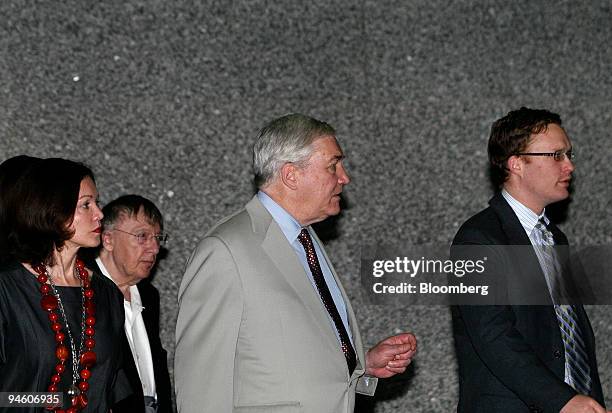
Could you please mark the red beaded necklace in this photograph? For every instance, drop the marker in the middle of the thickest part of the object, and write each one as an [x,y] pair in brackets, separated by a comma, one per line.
[51,302]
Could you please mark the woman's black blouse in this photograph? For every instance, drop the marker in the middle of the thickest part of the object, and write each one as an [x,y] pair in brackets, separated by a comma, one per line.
[27,343]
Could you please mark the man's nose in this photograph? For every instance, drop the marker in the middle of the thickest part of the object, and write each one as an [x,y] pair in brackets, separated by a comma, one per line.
[152,245]
[568,165]
[343,176]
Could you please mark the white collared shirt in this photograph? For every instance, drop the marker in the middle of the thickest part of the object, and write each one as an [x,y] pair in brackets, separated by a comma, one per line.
[137,337]
[529,220]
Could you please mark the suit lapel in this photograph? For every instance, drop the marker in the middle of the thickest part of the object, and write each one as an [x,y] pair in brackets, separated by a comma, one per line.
[149,315]
[282,254]
[547,315]
[558,236]
[526,260]
[510,223]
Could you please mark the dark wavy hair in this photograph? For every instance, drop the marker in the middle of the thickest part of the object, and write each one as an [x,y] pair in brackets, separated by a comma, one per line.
[42,206]
[11,171]
[510,135]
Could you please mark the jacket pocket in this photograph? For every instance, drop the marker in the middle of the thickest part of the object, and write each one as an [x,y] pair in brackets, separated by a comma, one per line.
[280,407]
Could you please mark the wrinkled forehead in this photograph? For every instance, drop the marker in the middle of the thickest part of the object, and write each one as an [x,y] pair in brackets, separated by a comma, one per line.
[327,146]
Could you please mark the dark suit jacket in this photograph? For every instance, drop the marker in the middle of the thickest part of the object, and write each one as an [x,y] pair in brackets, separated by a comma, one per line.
[511,357]
[135,403]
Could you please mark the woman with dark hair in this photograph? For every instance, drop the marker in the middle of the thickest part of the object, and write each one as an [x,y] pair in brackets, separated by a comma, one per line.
[59,323]
[10,172]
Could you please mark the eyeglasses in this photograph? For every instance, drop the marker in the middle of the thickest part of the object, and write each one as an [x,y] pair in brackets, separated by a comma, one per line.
[558,156]
[144,237]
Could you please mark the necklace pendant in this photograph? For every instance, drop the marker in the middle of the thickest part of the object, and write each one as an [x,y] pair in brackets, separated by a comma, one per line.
[73,391]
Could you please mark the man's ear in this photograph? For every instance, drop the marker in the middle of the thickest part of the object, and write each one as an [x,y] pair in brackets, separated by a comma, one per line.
[289,175]
[515,165]
[107,240]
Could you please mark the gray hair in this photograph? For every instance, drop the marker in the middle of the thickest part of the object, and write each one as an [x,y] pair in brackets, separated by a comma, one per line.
[286,139]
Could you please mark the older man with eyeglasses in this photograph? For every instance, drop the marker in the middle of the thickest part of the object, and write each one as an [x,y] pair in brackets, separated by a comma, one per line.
[131,239]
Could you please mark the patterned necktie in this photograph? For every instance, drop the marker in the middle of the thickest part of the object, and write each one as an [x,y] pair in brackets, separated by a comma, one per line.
[328,301]
[576,358]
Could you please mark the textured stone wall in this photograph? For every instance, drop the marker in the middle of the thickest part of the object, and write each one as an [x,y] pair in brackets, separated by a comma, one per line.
[164,98]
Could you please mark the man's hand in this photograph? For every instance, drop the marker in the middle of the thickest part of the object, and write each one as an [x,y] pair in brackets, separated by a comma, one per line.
[582,404]
[391,356]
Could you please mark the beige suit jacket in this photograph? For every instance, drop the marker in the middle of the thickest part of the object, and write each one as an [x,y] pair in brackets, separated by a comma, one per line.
[252,334]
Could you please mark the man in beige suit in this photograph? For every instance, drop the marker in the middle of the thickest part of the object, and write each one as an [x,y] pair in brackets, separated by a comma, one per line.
[264,324]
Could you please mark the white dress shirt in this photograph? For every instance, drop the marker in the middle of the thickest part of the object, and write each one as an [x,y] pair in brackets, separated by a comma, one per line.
[137,337]
[529,220]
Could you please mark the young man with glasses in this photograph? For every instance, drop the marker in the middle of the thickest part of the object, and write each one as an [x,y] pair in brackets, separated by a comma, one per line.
[131,238]
[526,358]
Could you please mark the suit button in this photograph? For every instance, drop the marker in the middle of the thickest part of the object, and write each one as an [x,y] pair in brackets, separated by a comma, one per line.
[534,409]
[558,354]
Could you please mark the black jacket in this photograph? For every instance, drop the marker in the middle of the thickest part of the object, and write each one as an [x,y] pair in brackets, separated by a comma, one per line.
[150,314]
[511,357]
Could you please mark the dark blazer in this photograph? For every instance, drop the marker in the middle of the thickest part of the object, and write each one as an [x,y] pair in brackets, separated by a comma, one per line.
[511,357]
[135,403]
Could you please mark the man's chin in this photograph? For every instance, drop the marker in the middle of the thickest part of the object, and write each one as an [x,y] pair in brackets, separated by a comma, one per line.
[564,193]
[334,209]
[561,195]
[143,276]
[145,270]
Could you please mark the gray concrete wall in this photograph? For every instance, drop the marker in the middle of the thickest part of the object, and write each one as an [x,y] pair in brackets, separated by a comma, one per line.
[164,98]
